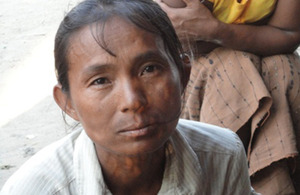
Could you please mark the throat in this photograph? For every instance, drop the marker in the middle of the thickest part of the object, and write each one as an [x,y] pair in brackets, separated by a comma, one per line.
[134,175]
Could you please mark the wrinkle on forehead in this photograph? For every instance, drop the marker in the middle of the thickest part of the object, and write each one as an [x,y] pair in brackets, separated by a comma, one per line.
[117,30]
[81,46]
[123,29]
[117,36]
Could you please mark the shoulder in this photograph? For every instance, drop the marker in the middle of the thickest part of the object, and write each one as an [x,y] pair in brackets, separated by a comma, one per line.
[46,172]
[209,138]
[221,156]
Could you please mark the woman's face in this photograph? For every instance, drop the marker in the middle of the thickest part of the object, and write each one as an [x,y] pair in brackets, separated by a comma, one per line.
[128,103]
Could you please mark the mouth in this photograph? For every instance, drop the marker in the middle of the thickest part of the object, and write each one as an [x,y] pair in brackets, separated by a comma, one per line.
[137,131]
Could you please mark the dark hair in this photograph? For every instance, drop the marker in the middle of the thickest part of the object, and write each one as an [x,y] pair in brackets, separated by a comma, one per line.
[145,14]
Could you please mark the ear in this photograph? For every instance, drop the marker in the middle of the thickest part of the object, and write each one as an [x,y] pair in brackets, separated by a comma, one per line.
[63,100]
[185,76]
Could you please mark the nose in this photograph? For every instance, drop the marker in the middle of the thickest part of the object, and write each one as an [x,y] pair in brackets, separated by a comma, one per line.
[132,97]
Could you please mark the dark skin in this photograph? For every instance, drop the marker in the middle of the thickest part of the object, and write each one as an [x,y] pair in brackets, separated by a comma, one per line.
[138,175]
[280,34]
[128,104]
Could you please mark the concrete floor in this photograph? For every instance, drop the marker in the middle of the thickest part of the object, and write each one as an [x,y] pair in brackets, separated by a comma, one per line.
[29,117]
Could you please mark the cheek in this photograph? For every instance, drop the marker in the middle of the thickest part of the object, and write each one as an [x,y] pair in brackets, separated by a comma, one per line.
[89,109]
[168,95]
[93,114]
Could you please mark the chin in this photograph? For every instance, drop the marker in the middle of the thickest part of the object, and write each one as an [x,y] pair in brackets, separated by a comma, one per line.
[138,149]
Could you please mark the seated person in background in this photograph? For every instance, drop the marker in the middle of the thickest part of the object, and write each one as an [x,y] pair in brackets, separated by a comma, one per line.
[245,77]
[121,72]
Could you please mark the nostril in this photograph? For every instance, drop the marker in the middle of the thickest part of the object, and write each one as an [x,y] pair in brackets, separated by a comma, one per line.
[132,101]
[132,97]
[133,106]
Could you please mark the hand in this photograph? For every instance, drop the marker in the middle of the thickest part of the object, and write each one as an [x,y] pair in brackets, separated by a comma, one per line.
[192,23]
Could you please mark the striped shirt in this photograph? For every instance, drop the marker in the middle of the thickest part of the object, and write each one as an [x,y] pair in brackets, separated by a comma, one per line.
[201,159]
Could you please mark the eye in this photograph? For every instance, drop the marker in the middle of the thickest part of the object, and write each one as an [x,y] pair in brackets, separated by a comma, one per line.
[151,69]
[100,81]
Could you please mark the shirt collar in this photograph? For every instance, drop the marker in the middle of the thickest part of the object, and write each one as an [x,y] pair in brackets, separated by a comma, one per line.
[182,175]
[88,173]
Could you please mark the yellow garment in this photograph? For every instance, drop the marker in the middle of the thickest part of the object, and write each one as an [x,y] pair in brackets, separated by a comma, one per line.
[247,11]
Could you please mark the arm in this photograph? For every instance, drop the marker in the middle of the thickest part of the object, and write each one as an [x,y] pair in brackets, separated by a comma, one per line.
[280,35]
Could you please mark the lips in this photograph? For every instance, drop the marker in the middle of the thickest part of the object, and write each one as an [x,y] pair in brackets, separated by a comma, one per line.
[137,130]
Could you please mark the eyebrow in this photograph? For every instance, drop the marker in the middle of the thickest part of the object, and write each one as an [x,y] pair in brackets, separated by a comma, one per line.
[98,68]
[152,54]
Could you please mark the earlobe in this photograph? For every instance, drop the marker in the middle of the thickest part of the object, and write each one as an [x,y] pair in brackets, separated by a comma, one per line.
[64,102]
[186,70]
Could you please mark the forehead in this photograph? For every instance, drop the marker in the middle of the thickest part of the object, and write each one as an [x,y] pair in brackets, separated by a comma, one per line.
[118,36]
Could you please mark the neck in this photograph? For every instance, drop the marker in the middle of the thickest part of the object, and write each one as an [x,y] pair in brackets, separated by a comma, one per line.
[141,174]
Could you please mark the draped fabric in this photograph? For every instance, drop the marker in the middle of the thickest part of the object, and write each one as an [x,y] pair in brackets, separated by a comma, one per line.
[228,88]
